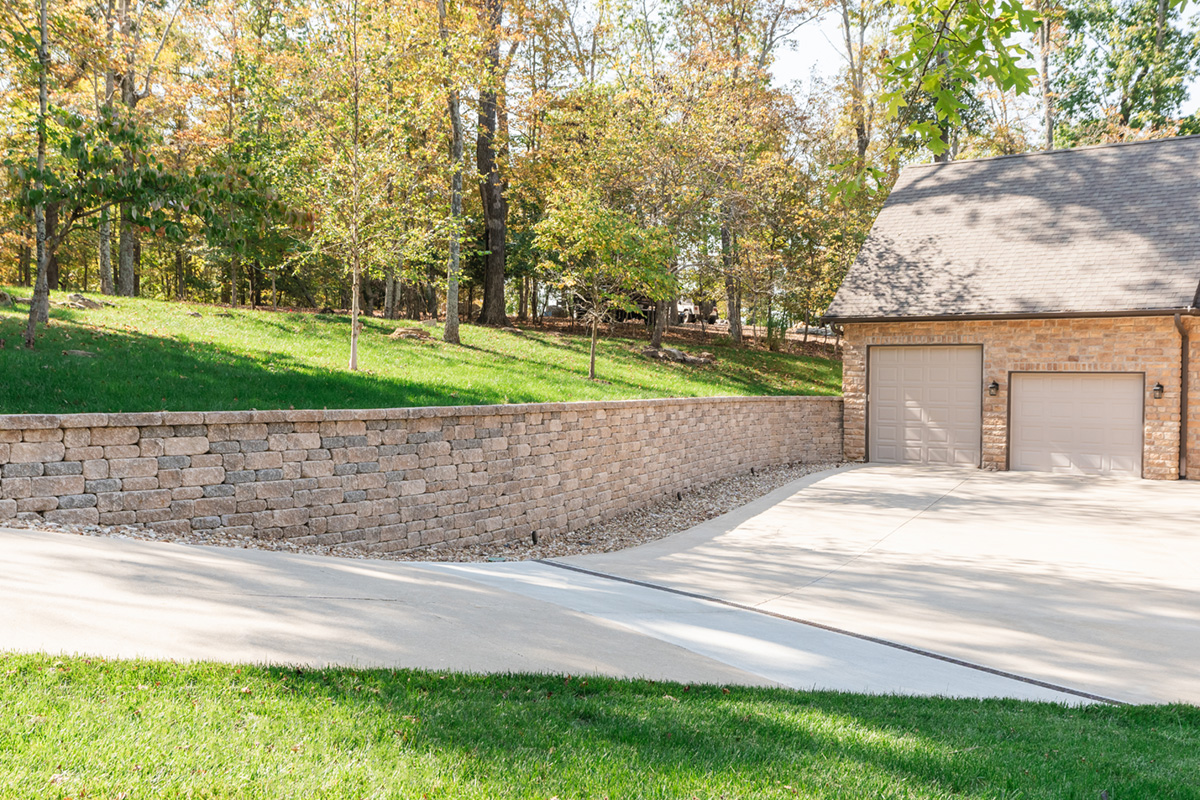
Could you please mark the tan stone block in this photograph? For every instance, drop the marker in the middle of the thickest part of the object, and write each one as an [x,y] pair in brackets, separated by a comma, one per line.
[316,469]
[245,432]
[351,427]
[267,459]
[28,452]
[208,460]
[83,453]
[433,449]
[132,467]
[15,488]
[43,435]
[73,516]
[270,489]
[95,469]
[145,500]
[202,476]
[216,506]
[114,436]
[290,516]
[122,451]
[26,504]
[5,450]
[141,484]
[185,445]
[150,448]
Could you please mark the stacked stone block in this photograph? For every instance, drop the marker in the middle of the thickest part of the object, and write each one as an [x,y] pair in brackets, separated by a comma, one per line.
[396,479]
[1150,345]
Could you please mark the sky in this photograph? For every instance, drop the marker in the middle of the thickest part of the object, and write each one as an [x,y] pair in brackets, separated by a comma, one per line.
[816,48]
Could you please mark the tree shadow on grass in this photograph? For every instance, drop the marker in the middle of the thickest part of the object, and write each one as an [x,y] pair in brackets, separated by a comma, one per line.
[551,734]
[133,371]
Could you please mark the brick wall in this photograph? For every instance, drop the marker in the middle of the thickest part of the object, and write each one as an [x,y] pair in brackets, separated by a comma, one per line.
[395,479]
[1125,344]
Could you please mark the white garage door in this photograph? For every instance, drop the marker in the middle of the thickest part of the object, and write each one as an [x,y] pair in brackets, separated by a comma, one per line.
[1077,424]
[924,405]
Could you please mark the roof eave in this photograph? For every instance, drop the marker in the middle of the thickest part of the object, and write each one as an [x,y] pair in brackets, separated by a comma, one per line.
[1141,312]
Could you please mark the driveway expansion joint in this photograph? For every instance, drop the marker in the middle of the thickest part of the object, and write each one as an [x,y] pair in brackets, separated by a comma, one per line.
[831,629]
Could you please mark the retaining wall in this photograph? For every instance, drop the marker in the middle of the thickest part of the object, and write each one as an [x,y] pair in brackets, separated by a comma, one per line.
[396,479]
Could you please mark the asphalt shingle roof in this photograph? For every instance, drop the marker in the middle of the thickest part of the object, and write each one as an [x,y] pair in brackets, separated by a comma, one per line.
[1098,229]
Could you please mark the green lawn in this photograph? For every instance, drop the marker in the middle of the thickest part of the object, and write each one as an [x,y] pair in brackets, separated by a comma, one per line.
[151,356]
[78,728]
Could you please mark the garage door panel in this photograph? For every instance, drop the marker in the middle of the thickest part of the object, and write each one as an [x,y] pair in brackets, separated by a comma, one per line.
[1078,424]
[929,409]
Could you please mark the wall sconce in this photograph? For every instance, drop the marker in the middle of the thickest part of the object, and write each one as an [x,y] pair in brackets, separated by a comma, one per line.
[993,389]
[1158,390]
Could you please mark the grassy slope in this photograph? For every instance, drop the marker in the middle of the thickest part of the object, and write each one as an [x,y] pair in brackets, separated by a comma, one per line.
[153,356]
[76,728]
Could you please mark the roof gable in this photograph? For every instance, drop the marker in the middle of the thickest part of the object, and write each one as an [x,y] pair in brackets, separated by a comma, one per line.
[1094,230]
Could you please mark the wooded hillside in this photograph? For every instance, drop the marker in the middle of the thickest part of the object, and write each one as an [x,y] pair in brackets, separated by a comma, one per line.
[485,159]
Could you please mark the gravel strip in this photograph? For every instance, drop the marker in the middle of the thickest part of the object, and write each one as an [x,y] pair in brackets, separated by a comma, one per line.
[627,530]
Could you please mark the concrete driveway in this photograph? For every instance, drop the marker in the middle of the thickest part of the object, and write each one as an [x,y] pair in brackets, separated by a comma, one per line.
[1087,583]
[881,579]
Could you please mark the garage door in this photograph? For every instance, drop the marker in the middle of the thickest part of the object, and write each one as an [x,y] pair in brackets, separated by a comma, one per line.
[924,405]
[1077,424]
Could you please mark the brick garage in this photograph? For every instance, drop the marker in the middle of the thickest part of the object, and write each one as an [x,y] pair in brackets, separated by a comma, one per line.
[397,479]
[1149,345]
[1067,279]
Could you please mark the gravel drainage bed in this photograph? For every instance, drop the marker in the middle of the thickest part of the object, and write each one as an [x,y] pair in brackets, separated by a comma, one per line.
[627,530]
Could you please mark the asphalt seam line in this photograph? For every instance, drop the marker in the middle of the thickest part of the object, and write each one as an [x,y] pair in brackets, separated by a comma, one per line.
[831,629]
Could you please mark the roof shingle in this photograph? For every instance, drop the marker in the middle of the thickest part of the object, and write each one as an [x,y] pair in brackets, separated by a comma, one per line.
[1094,230]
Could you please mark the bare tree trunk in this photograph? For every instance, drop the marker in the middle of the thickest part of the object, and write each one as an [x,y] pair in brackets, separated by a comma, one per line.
[106,270]
[356,272]
[491,187]
[733,295]
[389,292]
[661,309]
[24,265]
[1044,70]
[592,360]
[126,255]
[39,308]
[453,269]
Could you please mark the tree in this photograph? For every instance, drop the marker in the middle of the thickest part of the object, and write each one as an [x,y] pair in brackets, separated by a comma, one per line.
[604,256]
[453,269]
[489,149]
[1123,68]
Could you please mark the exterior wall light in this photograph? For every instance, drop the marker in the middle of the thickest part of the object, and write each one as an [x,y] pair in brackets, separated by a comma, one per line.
[1158,390]
[993,389]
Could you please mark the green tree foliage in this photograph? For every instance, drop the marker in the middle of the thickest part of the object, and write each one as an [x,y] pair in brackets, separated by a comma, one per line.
[1122,68]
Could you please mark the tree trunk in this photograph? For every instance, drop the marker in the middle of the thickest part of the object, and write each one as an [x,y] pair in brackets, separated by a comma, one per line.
[592,360]
[52,270]
[453,268]
[105,246]
[389,292]
[39,307]
[126,255]
[24,265]
[661,309]
[355,200]
[491,187]
[180,282]
[733,295]
[523,309]
[1044,70]
[233,279]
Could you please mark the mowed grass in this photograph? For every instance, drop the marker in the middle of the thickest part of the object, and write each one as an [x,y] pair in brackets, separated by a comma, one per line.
[151,355]
[74,727]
